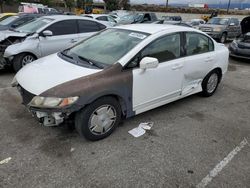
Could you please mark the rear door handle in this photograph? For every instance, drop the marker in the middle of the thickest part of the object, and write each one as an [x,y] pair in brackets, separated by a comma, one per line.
[177,66]
[73,40]
[209,59]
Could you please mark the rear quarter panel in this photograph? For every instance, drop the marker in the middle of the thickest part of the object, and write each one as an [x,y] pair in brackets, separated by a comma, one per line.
[222,57]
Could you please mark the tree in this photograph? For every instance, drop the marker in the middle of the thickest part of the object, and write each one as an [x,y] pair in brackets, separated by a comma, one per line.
[69,4]
[111,4]
[124,4]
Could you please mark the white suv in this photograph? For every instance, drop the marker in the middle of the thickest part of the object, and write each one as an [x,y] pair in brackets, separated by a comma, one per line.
[45,36]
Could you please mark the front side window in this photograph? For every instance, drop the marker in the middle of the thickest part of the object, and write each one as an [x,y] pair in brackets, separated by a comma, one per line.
[66,27]
[164,49]
[197,44]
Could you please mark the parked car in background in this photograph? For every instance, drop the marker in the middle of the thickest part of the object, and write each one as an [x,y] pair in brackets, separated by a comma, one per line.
[116,17]
[36,8]
[137,68]
[222,28]
[241,47]
[6,15]
[103,18]
[45,36]
[195,23]
[13,22]
[172,18]
[138,18]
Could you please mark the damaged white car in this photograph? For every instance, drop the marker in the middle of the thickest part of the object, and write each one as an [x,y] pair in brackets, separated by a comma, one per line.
[44,36]
[119,73]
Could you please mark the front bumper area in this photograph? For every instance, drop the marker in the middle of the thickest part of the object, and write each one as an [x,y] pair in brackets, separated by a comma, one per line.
[49,119]
[239,53]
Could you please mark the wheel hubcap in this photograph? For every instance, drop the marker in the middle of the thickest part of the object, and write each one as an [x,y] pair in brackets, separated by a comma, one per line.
[212,83]
[102,119]
[27,59]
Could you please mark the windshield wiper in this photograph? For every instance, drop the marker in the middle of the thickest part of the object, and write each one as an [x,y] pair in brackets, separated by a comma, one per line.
[90,62]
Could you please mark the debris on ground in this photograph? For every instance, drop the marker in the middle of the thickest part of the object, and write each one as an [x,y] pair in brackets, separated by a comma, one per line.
[141,129]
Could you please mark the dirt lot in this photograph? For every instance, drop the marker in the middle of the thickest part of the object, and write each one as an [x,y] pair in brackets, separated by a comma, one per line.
[189,140]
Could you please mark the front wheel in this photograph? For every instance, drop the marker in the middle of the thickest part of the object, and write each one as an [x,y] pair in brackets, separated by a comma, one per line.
[99,119]
[210,83]
[21,60]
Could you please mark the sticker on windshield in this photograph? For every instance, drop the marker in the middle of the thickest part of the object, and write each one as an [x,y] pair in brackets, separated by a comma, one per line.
[138,35]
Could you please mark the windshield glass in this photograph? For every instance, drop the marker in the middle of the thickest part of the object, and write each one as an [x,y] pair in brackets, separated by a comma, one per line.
[218,21]
[107,47]
[8,20]
[128,18]
[32,27]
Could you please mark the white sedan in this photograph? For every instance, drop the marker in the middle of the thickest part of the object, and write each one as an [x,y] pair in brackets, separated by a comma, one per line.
[119,73]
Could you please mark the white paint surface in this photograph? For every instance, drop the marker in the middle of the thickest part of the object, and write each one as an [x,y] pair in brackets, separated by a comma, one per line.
[219,167]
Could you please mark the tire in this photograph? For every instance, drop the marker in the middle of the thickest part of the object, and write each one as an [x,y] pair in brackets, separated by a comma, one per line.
[223,38]
[210,83]
[91,124]
[21,60]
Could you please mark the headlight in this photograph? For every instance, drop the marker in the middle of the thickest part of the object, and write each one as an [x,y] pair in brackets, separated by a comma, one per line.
[52,102]
[217,29]
[234,43]
[14,82]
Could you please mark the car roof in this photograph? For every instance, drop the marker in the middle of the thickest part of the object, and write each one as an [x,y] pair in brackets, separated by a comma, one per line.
[155,28]
[68,17]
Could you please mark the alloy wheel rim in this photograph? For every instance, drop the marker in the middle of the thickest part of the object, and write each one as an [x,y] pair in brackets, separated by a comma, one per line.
[27,59]
[102,119]
[212,83]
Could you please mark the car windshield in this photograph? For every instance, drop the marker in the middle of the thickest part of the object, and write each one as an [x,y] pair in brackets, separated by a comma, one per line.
[8,20]
[115,43]
[218,21]
[130,17]
[32,27]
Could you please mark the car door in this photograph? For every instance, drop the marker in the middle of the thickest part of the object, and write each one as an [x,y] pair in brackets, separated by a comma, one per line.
[158,86]
[88,28]
[199,60]
[64,36]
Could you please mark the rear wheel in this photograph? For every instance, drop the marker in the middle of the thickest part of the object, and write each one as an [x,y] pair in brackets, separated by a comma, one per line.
[223,38]
[99,119]
[21,60]
[210,83]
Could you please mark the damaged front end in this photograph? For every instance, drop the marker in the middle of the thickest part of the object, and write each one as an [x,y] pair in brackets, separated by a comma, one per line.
[4,44]
[49,111]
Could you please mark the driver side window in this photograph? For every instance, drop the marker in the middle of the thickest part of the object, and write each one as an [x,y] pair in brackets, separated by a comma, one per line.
[164,49]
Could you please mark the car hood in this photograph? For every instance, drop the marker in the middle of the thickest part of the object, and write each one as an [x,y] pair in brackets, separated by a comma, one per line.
[212,26]
[48,72]
[5,34]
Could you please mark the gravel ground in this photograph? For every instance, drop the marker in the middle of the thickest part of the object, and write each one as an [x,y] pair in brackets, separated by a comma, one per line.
[189,138]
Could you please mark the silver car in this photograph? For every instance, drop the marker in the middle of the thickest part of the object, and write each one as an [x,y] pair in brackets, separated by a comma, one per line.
[46,35]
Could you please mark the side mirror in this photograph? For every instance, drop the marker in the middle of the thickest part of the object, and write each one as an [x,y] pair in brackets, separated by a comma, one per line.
[232,24]
[149,63]
[47,33]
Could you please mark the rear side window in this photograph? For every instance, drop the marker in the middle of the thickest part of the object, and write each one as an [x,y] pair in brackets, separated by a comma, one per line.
[86,26]
[235,21]
[102,18]
[66,27]
[197,44]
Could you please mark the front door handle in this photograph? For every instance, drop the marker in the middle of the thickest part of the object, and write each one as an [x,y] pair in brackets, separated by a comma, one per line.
[177,66]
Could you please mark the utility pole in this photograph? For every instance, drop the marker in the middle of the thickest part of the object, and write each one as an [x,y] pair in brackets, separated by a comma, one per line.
[167,4]
[228,6]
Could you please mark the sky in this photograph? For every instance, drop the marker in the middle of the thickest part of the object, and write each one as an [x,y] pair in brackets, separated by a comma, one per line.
[185,1]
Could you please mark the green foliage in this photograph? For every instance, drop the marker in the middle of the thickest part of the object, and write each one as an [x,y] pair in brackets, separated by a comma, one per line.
[111,4]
